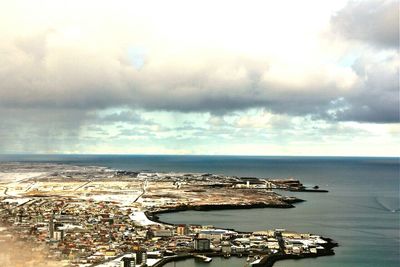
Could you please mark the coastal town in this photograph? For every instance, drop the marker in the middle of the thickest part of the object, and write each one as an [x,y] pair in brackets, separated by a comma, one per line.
[81,216]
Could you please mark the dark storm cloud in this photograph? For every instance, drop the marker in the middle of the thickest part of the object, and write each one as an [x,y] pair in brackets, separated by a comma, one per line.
[377,98]
[73,79]
[70,84]
[37,130]
[49,79]
[372,21]
[126,116]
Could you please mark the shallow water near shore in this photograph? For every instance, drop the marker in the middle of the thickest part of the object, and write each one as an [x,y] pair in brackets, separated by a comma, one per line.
[361,211]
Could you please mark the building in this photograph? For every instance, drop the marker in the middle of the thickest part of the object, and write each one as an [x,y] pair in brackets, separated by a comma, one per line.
[215,234]
[51,226]
[226,247]
[137,258]
[140,257]
[59,235]
[202,244]
[163,233]
[128,262]
[182,229]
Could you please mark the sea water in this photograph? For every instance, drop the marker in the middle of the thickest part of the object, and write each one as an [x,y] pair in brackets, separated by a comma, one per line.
[361,210]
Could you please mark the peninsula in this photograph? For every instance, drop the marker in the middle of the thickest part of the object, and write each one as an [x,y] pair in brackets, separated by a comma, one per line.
[81,216]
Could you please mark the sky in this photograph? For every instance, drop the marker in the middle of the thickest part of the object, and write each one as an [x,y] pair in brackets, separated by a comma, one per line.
[222,77]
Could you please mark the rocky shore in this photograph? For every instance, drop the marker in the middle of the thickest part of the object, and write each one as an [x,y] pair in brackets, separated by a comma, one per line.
[153,215]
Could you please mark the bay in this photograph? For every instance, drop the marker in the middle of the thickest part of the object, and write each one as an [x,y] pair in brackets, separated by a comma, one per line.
[360,211]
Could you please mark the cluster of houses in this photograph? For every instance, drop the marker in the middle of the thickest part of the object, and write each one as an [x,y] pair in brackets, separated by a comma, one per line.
[86,233]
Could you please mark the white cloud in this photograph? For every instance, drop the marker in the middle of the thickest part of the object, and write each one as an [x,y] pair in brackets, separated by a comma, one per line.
[62,62]
[373,21]
[206,56]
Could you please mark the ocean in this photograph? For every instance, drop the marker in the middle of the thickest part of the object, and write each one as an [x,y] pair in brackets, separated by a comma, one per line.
[360,212]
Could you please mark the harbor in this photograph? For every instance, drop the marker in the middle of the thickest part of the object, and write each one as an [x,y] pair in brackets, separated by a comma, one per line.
[355,188]
[102,217]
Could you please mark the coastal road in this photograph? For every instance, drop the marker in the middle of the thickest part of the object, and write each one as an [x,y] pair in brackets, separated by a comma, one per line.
[79,187]
[30,186]
[144,186]
[5,191]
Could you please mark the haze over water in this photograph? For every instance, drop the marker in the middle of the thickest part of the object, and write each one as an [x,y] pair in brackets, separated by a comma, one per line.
[361,210]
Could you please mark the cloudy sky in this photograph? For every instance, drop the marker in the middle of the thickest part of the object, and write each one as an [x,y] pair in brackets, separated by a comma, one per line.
[200,77]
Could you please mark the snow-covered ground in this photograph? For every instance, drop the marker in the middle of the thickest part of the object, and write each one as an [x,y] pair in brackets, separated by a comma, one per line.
[18,176]
[122,199]
[117,262]
[140,218]
[19,201]
[70,227]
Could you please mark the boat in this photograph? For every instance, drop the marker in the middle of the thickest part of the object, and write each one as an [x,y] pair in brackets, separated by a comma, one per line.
[208,259]
[203,258]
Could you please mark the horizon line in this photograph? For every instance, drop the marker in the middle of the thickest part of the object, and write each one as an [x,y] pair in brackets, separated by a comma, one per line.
[194,155]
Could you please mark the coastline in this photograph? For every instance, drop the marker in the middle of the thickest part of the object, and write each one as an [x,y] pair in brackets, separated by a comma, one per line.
[157,195]
[153,215]
[270,260]
[266,261]
[310,190]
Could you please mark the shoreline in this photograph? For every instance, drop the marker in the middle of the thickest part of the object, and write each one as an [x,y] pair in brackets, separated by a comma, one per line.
[266,261]
[270,260]
[159,195]
[309,190]
[153,215]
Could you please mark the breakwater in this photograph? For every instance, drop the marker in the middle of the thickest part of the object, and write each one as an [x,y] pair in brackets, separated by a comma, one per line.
[153,215]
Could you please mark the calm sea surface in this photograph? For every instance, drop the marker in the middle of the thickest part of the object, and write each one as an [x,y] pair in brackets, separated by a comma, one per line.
[361,211]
